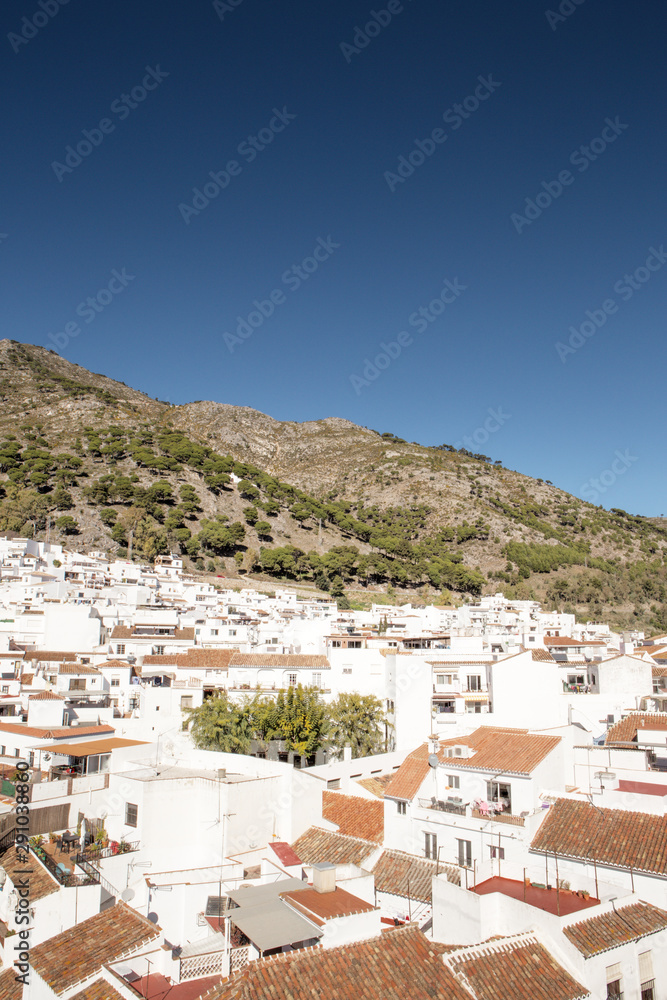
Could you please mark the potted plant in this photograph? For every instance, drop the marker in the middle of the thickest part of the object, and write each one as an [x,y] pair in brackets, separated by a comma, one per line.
[114,845]
[101,837]
[123,847]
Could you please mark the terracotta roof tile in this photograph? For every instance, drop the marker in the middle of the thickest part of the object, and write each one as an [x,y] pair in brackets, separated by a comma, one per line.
[211,659]
[400,963]
[515,751]
[279,660]
[614,837]
[46,696]
[625,731]
[609,930]
[77,668]
[406,875]
[317,845]
[78,953]
[99,990]
[376,784]
[49,656]
[41,883]
[9,988]
[59,733]
[354,816]
[513,969]
[322,906]
[542,655]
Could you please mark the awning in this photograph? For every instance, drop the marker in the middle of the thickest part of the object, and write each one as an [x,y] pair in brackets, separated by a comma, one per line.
[274,925]
[91,748]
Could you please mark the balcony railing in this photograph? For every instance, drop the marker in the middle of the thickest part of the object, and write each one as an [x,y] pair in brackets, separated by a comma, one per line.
[444,805]
[499,817]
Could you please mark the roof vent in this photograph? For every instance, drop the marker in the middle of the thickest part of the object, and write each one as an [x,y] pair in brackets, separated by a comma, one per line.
[222,773]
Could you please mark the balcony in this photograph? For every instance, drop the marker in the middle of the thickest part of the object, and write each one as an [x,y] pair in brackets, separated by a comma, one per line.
[498,817]
[455,806]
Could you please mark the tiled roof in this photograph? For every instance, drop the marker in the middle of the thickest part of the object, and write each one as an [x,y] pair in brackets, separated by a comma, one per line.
[78,953]
[518,968]
[212,659]
[279,660]
[41,883]
[115,664]
[46,696]
[566,640]
[322,906]
[49,656]
[77,668]
[659,671]
[59,733]
[121,632]
[284,853]
[542,655]
[376,784]
[400,963]
[609,930]
[614,837]
[98,990]
[407,875]
[625,731]
[9,988]
[354,816]
[317,845]
[515,751]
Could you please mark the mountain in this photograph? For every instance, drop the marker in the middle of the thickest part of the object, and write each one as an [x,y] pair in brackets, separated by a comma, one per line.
[101,465]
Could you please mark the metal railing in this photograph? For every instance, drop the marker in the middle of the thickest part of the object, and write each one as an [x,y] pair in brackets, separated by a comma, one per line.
[95,853]
[444,805]
[499,817]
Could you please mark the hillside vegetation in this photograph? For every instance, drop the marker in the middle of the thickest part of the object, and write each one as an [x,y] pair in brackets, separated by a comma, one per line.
[97,464]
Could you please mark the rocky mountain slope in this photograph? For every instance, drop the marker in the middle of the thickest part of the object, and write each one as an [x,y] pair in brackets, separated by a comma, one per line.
[97,463]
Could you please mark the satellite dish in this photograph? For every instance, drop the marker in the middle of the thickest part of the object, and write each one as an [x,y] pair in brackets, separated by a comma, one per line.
[433,760]
[47,756]
[127,894]
[152,917]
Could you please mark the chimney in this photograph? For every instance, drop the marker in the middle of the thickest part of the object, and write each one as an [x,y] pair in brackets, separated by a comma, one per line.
[433,743]
[222,773]
[324,877]
[347,752]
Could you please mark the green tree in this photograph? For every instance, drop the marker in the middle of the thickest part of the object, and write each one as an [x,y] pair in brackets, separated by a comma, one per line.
[219,724]
[358,720]
[67,525]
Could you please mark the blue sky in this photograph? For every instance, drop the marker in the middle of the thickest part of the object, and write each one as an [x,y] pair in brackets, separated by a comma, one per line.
[350,189]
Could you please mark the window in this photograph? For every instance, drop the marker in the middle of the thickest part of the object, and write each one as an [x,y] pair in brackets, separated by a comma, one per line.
[335,644]
[216,906]
[614,980]
[445,706]
[453,780]
[646,976]
[232,631]
[131,814]
[317,680]
[474,682]
[347,670]
[214,631]
[390,705]
[120,648]
[439,678]
[292,679]
[77,685]
[401,808]
[159,650]
[465,853]
[500,793]
[497,852]
[5,688]
[115,682]
[186,702]
[133,703]
[354,645]
[431,846]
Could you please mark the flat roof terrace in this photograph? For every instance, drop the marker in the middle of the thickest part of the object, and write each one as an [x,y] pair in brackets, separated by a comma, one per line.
[557,901]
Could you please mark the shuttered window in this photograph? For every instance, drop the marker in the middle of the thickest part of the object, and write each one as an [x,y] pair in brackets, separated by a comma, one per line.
[645,967]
